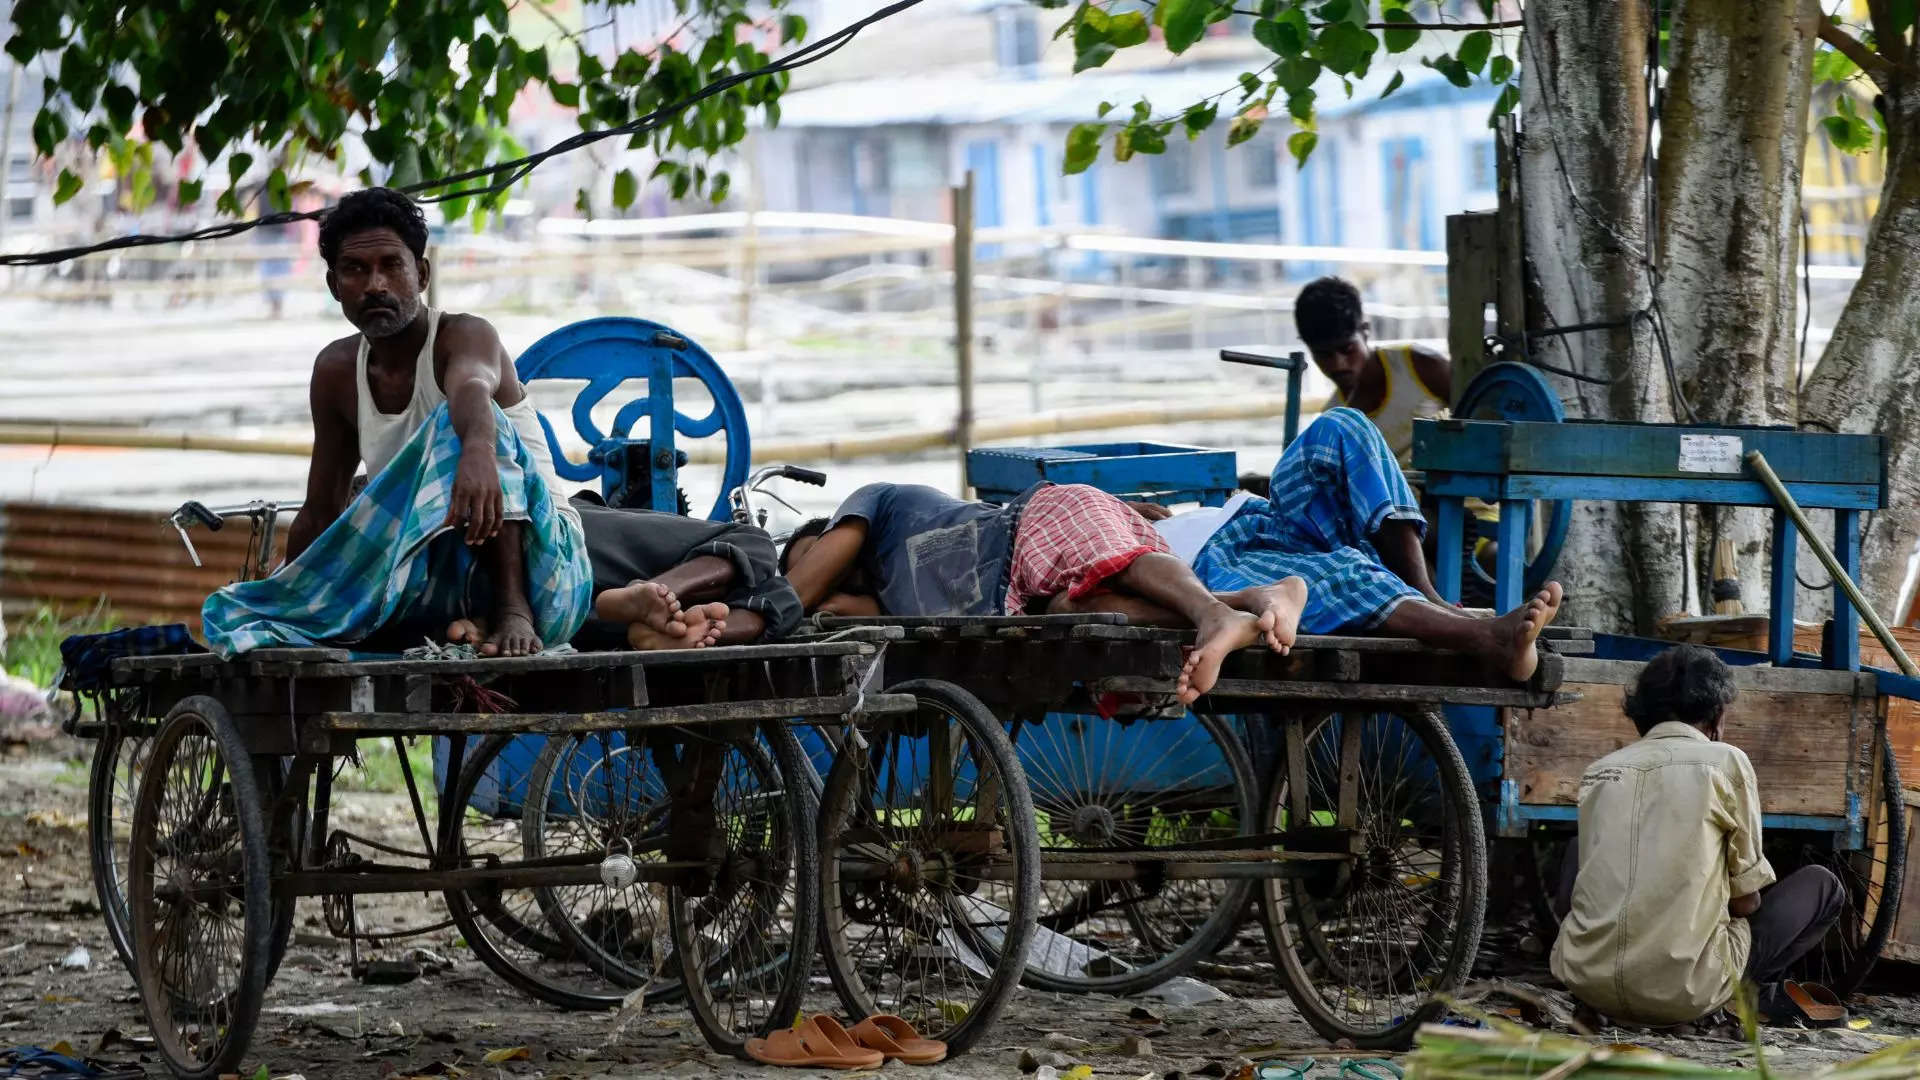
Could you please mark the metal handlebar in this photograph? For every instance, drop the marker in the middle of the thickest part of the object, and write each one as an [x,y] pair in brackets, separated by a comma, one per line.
[264,513]
[740,499]
[1293,363]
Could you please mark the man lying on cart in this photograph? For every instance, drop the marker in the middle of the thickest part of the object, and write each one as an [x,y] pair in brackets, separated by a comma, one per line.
[461,533]
[904,549]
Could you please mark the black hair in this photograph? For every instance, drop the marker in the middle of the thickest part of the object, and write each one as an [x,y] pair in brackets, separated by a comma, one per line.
[1686,683]
[373,208]
[815,527]
[1327,312]
[1256,483]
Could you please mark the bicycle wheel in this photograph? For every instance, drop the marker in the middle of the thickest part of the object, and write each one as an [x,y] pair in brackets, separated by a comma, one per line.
[1366,944]
[744,937]
[113,787]
[1871,879]
[930,867]
[202,923]
[1107,785]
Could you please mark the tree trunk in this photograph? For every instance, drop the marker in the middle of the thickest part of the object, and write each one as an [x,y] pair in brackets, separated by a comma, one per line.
[1582,161]
[1869,377]
[1732,136]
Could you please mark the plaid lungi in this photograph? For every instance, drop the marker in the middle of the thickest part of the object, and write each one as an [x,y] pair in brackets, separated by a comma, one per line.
[1332,490]
[1071,539]
[390,560]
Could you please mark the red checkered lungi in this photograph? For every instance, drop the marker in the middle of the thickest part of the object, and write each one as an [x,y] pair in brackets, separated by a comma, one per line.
[1071,539]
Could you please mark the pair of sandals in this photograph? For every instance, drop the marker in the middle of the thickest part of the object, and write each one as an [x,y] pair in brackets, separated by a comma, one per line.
[1809,1003]
[821,1042]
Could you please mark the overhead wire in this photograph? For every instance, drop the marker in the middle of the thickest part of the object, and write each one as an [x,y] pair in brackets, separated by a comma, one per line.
[505,174]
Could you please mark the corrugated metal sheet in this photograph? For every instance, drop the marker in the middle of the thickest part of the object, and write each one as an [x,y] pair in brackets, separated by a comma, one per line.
[73,557]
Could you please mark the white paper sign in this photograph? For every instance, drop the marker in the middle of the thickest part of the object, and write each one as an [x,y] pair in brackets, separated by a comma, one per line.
[1710,453]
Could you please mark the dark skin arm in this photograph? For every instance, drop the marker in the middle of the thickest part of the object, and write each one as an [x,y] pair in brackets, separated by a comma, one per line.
[1435,370]
[1742,907]
[817,571]
[472,382]
[336,448]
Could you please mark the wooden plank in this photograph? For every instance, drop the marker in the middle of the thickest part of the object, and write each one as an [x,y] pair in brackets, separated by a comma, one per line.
[364,724]
[1616,449]
[1726,491]
[586,661]
[1473,282]
[1800,746]
[1745,677]
[1296,728]
[1339,694]
[1349,793]
[1904,942]
[836,622]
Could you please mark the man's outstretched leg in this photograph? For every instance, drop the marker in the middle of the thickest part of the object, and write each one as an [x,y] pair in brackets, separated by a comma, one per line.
[1506,643]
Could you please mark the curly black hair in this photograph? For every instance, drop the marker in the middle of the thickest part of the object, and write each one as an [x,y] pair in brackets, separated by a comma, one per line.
[815,527]
[374,208]
[1686,683]
[1327,312]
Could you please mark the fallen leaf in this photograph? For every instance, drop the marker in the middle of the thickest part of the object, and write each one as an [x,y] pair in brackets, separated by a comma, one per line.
[26,850]
[507,1053]
[1078,1072]
[1859,1023]
[62,1047]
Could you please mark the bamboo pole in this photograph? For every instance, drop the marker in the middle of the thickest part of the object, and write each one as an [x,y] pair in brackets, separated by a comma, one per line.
[1758,463]
[795,450]
[963,318]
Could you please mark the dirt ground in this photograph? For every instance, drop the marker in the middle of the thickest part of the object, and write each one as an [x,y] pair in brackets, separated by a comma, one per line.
[319,1022]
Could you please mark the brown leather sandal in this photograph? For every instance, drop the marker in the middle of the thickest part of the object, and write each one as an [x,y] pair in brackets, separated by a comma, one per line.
[819,1043]
[896,1038]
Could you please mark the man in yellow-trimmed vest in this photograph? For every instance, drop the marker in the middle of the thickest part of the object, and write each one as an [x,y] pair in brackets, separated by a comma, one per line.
[1394,385]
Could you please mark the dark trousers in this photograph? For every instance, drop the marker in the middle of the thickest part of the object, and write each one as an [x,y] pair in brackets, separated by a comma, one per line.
[1795,913]
[625,546]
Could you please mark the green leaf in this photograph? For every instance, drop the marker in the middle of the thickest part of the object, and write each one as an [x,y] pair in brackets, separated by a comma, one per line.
[383,143]
[1092,56]
[1832,66]
[793,29]
[1142,111]
[583,203]
[625,188]
[589,67]
[535,62]
[264,1074]
[1455,71]
[1280,38]
[1300,144]
[565,95]
[277,190]
[1105,108]
[1198,118]
[1300,107]
[1399,41]
[1297,74]
[1345,48]
[497,14]
[1083,147]
[189,192]
[1184,22]
[1334,10]
[631,67]
[1246,124]
[718,188]
[1500,69]
[68,186]
[1249,84]
[1505,102]
[237,167]
[1474,49]
[1128,29]
[682,181]
[1394,83]
[1123,144]
[49,130]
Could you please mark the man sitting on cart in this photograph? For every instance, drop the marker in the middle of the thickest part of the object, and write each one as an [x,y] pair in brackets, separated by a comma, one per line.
[1672,903]
[461,513]
[1339,515]
[904,549]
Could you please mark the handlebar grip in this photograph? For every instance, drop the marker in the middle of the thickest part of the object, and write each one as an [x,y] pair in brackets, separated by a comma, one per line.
[1290,362]
[194,509]
[805,476]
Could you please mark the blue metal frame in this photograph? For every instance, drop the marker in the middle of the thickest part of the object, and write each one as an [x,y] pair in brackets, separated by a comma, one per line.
[1153,472]
[607,352]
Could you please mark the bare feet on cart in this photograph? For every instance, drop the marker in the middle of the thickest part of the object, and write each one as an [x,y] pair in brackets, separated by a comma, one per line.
[643,603]
[705,623]
[1278,608]
[1222,631]
[513,633]
[1515,633]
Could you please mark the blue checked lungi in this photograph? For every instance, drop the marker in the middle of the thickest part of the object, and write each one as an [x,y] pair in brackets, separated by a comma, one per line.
[390,560]
[1333,488]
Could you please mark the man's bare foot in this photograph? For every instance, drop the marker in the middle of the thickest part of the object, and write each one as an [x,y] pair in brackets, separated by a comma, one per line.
[467,632]
[1220,633]
[1515,633]
[1278,608]
[644,638]
[705,623]
[513,634]
[644,602]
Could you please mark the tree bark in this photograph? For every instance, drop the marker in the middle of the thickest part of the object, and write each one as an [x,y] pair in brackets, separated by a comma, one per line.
[1869,377]
[1582,161]
[1733,134]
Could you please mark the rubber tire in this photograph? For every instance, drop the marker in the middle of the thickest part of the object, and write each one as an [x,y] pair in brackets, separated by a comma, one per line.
[836,805]
[107,884]
[1469,840]
[1217,927]
[258,919]
[1848,981]
[801,810]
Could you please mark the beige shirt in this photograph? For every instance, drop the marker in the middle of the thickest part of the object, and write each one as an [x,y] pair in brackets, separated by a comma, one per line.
[1669,832]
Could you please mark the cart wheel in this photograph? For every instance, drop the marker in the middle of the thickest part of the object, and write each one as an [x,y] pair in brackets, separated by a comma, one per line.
[505,926]
[1871,877]
[745,944]
[198,892]
[930,867]
[112,789]
[1366,944]
[1101,784]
